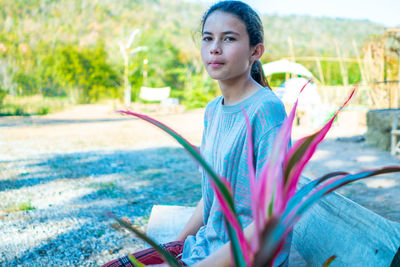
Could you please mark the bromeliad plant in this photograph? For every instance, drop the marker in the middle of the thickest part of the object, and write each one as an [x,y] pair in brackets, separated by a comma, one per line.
[276,206]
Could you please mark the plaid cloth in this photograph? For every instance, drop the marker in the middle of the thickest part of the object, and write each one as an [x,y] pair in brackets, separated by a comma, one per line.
[150,256]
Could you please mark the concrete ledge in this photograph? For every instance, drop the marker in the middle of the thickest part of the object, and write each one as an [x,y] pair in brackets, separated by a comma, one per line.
[166,222]
[334,226]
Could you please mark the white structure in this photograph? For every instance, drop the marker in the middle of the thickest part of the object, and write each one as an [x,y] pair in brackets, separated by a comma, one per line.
[285,66]
[154,94]
[309,99]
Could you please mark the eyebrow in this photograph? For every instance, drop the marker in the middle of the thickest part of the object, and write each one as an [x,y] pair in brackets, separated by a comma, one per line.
[225,33]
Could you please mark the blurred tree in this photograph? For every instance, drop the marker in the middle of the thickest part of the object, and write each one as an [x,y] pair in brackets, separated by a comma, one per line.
[86,71]
[70,47]
[128,50]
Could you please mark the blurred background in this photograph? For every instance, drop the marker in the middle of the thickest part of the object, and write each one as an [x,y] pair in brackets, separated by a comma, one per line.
[66,157]
[58,53]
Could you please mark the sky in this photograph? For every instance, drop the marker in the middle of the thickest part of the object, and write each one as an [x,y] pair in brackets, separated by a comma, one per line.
[384,12]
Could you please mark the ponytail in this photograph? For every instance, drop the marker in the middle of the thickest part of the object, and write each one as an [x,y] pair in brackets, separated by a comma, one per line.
[257,73]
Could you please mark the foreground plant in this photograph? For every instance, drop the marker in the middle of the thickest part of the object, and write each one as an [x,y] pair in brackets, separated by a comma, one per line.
[276,206]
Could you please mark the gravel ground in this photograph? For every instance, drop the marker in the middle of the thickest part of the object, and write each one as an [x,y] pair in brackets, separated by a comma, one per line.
[60,173]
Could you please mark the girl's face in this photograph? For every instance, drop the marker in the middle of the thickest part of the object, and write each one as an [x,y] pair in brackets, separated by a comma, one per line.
[225,48]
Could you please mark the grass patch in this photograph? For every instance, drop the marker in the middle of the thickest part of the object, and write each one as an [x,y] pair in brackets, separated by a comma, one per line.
[100,186]
[105,188]
[32,105]
[24,206]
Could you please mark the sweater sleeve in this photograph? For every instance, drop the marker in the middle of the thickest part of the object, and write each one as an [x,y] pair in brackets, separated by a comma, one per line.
[263,149]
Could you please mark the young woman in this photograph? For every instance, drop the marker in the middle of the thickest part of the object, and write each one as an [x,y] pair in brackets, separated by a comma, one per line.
[232,44]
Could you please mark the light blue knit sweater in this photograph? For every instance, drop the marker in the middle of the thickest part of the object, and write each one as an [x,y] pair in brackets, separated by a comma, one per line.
[224,146]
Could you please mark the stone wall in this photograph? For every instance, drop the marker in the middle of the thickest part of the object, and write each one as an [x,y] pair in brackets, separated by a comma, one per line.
[379,125]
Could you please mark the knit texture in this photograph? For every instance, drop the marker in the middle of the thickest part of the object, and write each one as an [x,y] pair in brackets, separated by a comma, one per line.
[224,146]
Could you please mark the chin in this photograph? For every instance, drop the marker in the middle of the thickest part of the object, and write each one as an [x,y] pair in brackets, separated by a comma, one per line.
[216,76]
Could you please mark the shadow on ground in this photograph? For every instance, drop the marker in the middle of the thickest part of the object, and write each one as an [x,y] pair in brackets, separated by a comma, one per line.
[128,183]
[167,165]
[28,121]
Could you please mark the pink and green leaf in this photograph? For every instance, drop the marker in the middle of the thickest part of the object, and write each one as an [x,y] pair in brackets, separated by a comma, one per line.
[301,153]
[306,189]
[273,194]
[278,232]
[225,196]
[273,169]
[253,184]
[242,251]
[192,151]
[331,185]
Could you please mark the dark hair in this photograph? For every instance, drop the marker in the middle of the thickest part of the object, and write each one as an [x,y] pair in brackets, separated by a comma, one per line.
[254,28]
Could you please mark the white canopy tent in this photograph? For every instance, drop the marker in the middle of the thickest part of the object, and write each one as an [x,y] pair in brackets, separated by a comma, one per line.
[285,66]
[289,91]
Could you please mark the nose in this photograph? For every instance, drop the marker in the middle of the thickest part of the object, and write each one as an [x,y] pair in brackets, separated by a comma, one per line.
[215,48]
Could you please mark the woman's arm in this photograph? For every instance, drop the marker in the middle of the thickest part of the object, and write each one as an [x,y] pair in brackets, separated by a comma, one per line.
[222,257]
[194,223]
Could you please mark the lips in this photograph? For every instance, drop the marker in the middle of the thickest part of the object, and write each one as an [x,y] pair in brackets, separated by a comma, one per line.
[216,64]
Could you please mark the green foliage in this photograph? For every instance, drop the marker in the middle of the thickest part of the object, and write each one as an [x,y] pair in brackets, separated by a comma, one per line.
[32,105]
[277,79]
[3,94]
[70,48]
[82,73]
[86,69]
[27,83]
[200,92]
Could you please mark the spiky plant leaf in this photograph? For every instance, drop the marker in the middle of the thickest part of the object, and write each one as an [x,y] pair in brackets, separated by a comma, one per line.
[396,259]
[301,153]
[329,261]
[238,242]
[135,262]
[166,256]
[331,185]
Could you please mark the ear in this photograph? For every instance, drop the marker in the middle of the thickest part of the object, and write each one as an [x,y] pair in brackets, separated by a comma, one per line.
[257,52]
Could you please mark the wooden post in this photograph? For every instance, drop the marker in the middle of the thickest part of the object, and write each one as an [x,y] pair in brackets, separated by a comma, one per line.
[389,87]
[342,69]
[292,56]
[364,78]
[320,72]
[319,67]
[383,60]
[370,77]
[127,90]
[398,82]
[291,49]
[360,65]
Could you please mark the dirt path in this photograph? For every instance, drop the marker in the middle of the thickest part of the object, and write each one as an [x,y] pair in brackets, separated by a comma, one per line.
[97,127]
[60,172]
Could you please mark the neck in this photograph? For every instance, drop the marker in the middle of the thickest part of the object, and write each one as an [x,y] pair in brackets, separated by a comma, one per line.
[238,90]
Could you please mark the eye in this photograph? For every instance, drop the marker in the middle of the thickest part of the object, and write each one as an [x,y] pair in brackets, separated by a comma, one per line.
[207,38]
[230,39]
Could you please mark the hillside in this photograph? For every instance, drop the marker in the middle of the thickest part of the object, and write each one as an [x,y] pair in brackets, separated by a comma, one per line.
[64,48]
[86,22]
[313,36]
